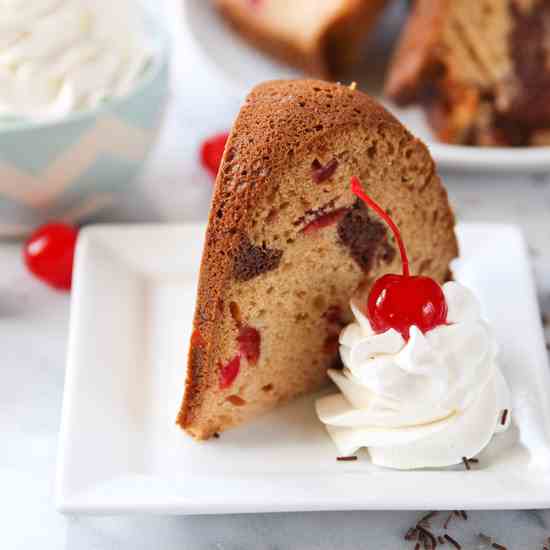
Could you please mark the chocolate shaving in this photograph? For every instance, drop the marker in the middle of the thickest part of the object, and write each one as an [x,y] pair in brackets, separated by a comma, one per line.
[468,461]
[504,417]
[498,546]
[448,520]
[216,435]
[463,514]
[425,534]
[346,458]
[452,541]
[441,540]
[485,539]
[428,517]
[417,546]
[411,534]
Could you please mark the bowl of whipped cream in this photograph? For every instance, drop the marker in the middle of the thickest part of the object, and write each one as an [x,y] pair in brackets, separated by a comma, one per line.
[83,87]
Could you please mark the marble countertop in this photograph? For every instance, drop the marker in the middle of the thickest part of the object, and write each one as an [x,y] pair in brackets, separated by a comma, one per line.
[33,334]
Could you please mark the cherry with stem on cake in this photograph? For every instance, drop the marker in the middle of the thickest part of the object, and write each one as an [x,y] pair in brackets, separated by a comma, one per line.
[400,301]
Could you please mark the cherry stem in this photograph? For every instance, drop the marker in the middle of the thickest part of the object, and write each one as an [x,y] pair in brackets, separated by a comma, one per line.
[357,190]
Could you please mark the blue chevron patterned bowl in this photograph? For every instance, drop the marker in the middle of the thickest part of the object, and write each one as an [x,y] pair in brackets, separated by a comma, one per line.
[70,169]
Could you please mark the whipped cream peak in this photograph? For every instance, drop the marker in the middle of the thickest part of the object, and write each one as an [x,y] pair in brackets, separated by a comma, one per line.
[423,402]
[61,56]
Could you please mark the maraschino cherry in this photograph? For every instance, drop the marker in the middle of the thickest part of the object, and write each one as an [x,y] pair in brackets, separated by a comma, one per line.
[212,152]
[49,254]
[400,301]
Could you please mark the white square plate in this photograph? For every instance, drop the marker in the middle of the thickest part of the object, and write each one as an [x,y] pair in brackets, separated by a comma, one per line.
[121,451]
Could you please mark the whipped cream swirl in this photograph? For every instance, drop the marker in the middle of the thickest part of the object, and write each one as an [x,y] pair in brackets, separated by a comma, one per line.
[425,402]
[61,56]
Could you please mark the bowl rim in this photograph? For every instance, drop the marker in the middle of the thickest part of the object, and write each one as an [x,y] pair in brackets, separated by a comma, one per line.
[161,43]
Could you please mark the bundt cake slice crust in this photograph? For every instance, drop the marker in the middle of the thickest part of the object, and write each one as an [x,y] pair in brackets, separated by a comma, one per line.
[330,35]
[288,245]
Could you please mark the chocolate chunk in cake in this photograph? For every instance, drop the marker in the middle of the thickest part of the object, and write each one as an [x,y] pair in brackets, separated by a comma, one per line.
[365,237]
[252,260]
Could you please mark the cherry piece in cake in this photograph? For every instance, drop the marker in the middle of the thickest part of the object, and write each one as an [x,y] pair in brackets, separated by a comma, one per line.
[324,220]
[320,173]
[229,372]
[249,344]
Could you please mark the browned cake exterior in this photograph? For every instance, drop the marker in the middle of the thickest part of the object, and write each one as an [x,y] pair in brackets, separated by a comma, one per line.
[322,40]
[288,244]
[481,69]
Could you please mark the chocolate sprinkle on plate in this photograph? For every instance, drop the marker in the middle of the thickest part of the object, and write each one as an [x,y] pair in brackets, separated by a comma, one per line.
[468,461]
[485,539]
[448,520]
[428,517]
[424,533]
[504,417]
[452,541]
[346,458]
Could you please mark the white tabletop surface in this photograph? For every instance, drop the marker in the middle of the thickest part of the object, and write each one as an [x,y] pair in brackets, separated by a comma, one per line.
[33,334]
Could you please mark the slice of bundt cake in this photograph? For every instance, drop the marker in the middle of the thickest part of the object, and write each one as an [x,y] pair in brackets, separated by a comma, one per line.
[288,244]
[481,69]
[321,37]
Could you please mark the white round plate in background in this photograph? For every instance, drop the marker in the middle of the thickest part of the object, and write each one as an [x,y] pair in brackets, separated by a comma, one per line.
[241,67]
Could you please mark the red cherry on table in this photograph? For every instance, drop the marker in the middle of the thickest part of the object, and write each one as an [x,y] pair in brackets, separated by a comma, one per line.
[212,152]
[400,301]
[49,254]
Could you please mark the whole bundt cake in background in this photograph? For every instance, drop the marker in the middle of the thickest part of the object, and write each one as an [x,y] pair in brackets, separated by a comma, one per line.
[480,68]
[288,244]
[322,37]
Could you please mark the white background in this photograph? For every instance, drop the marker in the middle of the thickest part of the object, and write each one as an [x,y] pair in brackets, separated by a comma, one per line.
[33,330]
